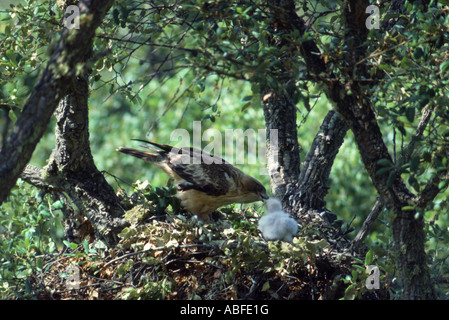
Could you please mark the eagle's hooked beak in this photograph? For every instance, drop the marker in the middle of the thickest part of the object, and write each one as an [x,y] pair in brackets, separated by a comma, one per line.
[264,196]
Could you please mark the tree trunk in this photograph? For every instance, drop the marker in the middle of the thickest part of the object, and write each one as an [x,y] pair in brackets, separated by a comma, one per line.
[409,238]
[351,101]
[408,231]
[72,165]
[311,188]
[283,159]
[61,69]
[71,168]
[301,190]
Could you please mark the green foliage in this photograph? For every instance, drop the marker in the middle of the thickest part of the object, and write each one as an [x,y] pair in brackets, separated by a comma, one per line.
[149,290]
[27,31]
[28,232]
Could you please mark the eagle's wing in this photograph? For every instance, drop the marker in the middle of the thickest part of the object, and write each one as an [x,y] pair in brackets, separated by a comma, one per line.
[212,179]
[200,170]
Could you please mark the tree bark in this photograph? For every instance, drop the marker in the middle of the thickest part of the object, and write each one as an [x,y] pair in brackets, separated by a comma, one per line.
[283,161]
[406,156]
[71,164]
[309,191]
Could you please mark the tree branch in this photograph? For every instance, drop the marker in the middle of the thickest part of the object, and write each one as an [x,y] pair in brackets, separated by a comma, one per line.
[283,160]
[305,189]
[407,154]
[34,176]
[311,188]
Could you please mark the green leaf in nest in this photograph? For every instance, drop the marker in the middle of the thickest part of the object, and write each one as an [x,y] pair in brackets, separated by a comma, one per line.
[369,258]
[266,286]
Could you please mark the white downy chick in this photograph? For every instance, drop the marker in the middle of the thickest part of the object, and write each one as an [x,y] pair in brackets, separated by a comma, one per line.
[276,224]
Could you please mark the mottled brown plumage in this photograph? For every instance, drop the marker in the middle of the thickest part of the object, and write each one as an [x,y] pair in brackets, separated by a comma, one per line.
[204,182]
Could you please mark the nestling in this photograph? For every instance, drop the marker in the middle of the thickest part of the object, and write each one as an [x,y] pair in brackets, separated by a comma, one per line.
[204,182]
[276,224]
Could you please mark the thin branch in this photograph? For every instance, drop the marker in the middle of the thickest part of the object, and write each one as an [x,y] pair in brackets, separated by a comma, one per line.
[131,254]
[148,43]
[367,224]
[431,190]
[428,193]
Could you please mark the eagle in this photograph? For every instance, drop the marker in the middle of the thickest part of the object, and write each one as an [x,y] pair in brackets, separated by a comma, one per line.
[204,182]
[276,223]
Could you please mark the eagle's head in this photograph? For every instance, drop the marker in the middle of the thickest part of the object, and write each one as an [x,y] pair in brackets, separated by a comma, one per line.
[253,190]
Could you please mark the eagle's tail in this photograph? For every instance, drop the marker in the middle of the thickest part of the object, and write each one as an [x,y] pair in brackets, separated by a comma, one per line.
[164,147]
[147,156]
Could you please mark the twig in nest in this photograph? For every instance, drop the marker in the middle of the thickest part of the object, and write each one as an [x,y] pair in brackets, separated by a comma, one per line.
[155,249]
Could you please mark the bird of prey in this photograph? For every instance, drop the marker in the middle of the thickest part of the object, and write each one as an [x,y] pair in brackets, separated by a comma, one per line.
[204,182]
[276,224]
